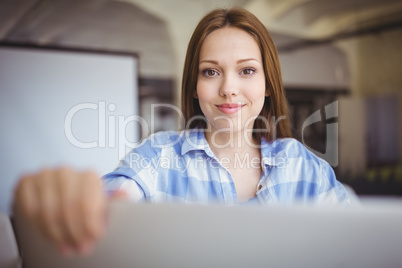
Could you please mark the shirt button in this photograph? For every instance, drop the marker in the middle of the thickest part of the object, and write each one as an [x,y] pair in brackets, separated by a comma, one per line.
[259,187]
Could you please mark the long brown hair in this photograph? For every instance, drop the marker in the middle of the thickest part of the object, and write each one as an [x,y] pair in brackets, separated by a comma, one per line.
[274,111]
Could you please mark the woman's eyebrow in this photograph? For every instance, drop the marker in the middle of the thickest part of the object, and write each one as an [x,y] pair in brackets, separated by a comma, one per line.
[248,59]
[239,61]
[209,61]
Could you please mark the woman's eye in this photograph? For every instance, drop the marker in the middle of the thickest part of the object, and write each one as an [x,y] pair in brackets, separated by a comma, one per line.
[248,71]
[210,73]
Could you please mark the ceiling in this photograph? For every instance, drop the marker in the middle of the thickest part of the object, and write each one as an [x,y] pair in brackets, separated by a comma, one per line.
[308,19]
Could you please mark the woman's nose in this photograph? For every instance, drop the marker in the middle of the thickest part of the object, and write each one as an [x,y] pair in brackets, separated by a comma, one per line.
[228,87]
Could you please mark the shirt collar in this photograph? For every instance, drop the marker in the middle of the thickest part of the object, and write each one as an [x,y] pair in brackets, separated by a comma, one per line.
[194,140]
[272,153]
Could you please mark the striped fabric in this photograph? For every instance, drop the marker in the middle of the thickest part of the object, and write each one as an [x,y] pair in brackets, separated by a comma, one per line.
[180,167]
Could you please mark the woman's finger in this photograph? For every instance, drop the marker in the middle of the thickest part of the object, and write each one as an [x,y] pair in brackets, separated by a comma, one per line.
[69,185]
[119,194]
[82,207]
[92,206]
[48,216]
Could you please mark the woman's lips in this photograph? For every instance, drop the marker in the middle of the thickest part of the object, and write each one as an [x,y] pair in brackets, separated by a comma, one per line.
[229,108]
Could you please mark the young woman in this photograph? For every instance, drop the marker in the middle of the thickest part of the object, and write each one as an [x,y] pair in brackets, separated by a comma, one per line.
[236,147]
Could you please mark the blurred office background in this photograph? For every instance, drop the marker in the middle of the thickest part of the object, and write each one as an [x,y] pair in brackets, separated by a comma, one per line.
[341,63]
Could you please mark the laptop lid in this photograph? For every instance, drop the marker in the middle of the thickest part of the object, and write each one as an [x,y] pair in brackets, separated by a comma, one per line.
[163,235]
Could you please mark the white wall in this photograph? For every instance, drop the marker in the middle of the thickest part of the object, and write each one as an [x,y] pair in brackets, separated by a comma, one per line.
[39,90]
[321,67]
[352,136]
[376,70]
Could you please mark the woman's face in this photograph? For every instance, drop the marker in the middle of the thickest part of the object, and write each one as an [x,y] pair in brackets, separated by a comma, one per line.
[231,81]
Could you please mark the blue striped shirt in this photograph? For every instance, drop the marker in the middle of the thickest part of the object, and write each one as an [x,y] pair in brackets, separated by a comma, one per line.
[180,167]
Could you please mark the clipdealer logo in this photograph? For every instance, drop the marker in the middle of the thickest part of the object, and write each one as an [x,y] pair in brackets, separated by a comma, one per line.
[332,140]
[117,124]
[115,129]
[111,130]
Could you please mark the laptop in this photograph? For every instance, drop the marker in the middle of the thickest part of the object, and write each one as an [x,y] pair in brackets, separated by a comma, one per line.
[192,236]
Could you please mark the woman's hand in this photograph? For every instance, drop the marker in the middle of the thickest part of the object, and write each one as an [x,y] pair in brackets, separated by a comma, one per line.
[66,206]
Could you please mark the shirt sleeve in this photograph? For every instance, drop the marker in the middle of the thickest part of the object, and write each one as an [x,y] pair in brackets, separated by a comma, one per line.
[331,191]
[136,174]
[112,183]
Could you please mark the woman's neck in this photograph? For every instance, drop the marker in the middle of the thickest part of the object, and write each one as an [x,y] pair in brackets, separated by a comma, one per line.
[227,144]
